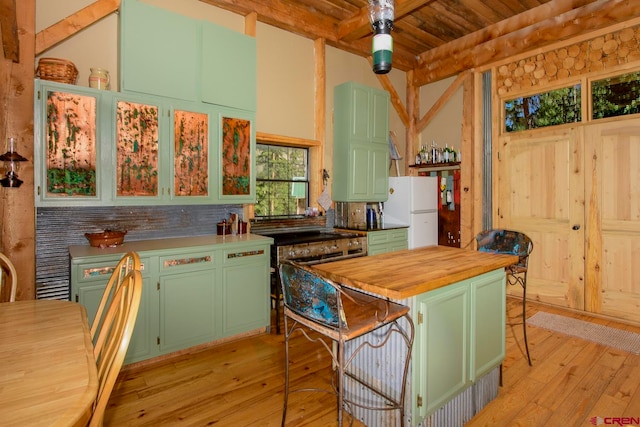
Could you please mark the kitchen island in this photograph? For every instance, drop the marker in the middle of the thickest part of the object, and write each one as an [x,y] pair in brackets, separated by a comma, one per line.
[457,302]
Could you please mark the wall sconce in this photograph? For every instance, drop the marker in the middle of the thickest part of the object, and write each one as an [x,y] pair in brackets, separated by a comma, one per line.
[381,17]
[11,159]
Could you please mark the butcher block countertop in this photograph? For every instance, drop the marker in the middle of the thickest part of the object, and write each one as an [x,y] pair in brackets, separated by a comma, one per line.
[404,274]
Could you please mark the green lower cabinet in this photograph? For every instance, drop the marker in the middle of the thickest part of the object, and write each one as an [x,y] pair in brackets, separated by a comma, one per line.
[488,319]
[382,241]
[190,296]
[460,336]
[89,280]
[187,309]
[245,293]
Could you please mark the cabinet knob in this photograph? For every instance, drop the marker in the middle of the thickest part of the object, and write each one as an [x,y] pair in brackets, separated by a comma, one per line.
[576,227]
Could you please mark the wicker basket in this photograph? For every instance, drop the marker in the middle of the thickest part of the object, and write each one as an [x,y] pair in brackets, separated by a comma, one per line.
[57,70]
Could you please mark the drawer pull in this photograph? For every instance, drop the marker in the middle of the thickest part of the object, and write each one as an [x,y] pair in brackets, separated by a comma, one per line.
[98,271]
[185,261]
[245,253]
[102,271]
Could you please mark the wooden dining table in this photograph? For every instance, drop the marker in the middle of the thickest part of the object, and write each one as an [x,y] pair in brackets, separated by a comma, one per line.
[48,373]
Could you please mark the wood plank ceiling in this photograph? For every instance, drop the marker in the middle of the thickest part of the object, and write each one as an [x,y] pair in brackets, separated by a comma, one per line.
[441,38]
[434,38]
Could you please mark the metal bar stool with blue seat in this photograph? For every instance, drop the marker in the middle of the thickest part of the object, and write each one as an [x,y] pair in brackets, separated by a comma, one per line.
[342,316]
[513,243]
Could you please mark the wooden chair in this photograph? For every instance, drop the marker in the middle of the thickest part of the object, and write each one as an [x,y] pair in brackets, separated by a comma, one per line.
[513,243]
[113,339]
[339,315]
[8,276]
[129,262]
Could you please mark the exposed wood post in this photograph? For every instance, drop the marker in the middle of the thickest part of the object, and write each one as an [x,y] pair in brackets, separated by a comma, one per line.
[17,207]
[9,28]
[472,158]
[250,24]
[471,139]
[317,153]
[412,133]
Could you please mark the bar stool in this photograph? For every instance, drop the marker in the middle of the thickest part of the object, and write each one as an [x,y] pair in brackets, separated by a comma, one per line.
[339,315]
[511,242]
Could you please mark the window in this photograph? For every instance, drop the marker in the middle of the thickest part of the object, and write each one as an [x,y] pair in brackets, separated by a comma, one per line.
[616,96]
[551,108]
[282,181]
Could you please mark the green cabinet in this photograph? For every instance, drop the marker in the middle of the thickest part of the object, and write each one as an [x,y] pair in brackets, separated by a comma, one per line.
[235,83]
[167,54]
[70,164]
[163,151]
[188,284]
[460,336]
[382,241]
[236,160]
[360,143]
[89,278]
[159,51]
[193,293]
[243,274]
[104,148]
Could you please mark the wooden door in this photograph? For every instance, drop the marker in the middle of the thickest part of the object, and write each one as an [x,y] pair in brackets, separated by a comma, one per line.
[540,192]
[612,186]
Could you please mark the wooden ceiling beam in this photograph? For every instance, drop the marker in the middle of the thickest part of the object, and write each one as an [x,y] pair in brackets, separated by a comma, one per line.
[359,26]
[9,27]
[538,27]
[301,21]
[72,24]
[286,16]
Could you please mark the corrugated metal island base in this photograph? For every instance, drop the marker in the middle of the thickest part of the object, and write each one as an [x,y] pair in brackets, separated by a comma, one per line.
[457,301]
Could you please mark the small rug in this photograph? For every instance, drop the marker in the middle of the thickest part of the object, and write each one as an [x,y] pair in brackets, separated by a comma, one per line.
[605,335]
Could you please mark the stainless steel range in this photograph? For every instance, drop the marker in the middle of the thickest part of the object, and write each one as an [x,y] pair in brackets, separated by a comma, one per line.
[314,247]
[310,247]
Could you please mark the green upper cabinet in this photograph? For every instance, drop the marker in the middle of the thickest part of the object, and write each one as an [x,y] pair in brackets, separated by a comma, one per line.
[237,163]
[70,148]
[162,151]
[104,148]
[228,68]
[138,150]
[159,51]
[167,54]
[360,144]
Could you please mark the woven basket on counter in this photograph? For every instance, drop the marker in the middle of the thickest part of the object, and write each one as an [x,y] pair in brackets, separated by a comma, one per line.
[57,70]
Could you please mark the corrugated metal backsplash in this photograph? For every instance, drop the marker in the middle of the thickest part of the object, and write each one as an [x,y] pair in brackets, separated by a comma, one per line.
[57,228]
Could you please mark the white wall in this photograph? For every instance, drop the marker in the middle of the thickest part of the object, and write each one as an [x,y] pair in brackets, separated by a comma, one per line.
[446,126]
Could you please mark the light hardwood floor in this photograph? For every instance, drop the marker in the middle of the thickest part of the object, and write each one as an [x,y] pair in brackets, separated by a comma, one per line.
[241,383]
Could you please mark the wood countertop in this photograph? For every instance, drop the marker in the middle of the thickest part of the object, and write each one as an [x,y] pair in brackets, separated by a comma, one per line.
[404,274]
[48,376]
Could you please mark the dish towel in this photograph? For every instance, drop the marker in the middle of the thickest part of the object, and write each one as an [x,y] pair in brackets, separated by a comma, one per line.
[325,200]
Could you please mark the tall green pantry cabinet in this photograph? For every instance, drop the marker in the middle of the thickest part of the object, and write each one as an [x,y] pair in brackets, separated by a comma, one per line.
[360,143]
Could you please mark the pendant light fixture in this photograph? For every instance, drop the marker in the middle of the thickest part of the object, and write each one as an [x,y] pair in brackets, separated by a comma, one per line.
[381,17]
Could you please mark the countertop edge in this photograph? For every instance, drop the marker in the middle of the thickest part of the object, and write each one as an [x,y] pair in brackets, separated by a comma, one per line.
[141,246]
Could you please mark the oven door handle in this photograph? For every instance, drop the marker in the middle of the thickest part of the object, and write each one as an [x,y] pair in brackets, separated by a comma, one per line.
[331,259]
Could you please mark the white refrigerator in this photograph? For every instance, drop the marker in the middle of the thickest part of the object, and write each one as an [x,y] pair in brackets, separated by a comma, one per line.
[413,200]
